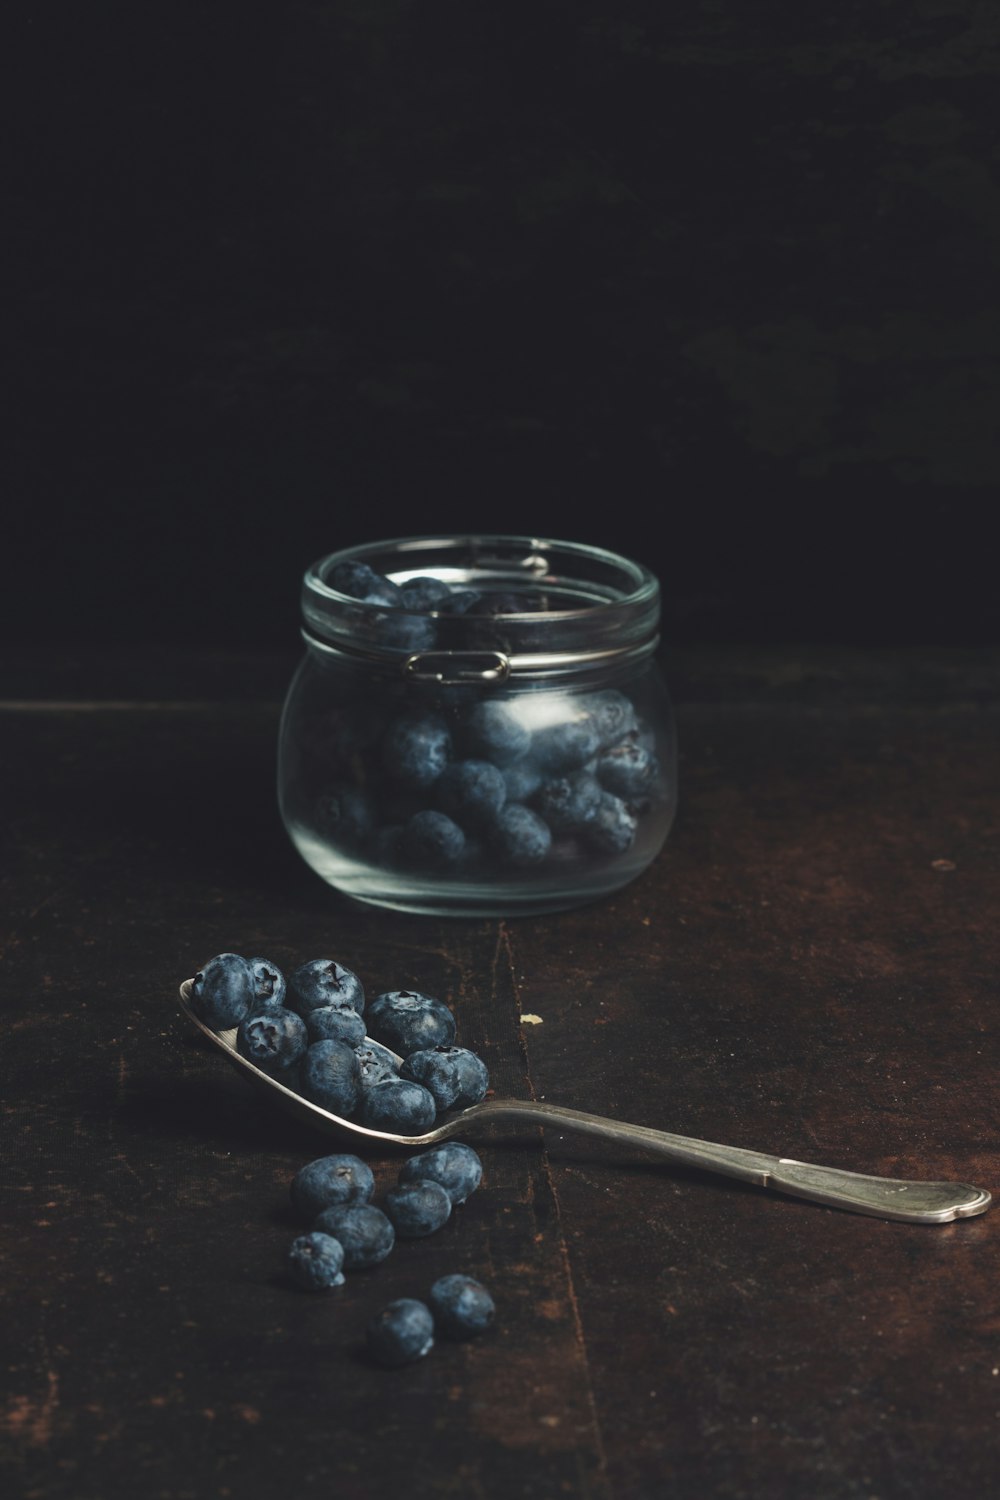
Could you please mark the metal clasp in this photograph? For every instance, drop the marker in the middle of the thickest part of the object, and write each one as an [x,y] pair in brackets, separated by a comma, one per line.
[458,666]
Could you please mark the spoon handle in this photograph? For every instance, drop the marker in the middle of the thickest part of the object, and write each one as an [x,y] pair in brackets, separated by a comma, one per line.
[882,1197]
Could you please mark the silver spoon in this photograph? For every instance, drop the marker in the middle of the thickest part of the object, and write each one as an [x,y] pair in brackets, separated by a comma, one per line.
[881,1197]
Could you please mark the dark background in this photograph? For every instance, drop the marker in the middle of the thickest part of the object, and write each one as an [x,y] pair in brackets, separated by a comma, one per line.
[712,284]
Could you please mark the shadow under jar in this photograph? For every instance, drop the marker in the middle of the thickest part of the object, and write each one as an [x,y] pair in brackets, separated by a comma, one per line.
[486,734]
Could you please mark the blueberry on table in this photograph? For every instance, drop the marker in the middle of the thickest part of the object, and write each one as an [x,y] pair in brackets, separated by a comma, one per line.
[406,1021]
[417,1208]
[315,1262]
[330,1181]
[519,837]
[431,841]
[400,1333]
[471,791]
[322,981]
[359,581]
[416,749]
[331,1076]
[337,1023]
[461,1306]
[269,985]
[223,991]
[364,1231]
[454,1075]
[453,1164]
[613,827]
[273,1040]
[492,731]
[399,1106]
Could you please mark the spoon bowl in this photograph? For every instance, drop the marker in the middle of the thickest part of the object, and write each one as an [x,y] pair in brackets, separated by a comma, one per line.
[911,1201]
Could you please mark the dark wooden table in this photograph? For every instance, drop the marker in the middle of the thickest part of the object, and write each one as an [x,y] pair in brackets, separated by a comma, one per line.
[810,967]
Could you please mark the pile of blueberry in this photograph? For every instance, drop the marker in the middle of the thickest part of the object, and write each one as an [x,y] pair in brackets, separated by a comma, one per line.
[349,1232]
[309,1033]
[470,783]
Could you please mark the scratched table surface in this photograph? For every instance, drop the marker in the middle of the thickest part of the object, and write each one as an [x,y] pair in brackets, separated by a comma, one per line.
[809,968]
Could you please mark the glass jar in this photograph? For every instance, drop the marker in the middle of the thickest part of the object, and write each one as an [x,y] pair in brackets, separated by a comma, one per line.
[495,741]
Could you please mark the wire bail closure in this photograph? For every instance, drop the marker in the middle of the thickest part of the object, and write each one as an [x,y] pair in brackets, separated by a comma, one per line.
[452,667]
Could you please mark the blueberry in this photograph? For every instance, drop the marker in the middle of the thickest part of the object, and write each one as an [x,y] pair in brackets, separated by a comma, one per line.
[417,1208]
[338,1023]
[323,981]
[522,780]
[628,769]
[568,802]
[344,815]
[462,602]
[273,1040]
[377,1064]
[472,791]
[453,1075]
[400,1333]
[431,840]
[520,837]
[399,1106]
[223,991]
[462,1307]
[364,1231]
[566,746]
[315,1262]
[613,827]
[612,714]
[424,593]
[406,1021]
[416,749]
[385,848]
[359,581]
[492,731]
[268,984]
[330,1181]
[331,1076]
[407,632]
[452,1164]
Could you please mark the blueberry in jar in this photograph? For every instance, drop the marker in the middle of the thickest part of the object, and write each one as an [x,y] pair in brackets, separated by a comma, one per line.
[613,827]
[424,592]
[417,1208]
[519,837]
[400,1333]
[431,841]
[223,991]
[492,731]
[344,815]
[567,803]
[452,1164]
[315,1262]
[330,1181]
[471,791]
[360,581]
[567,745]
[612,714]
[416,749]
[627,769]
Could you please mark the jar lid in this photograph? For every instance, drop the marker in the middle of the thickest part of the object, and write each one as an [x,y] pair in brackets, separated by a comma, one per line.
[542,608]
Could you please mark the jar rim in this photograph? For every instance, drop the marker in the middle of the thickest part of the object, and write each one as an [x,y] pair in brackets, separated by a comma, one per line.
[598,602]
[646,586]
